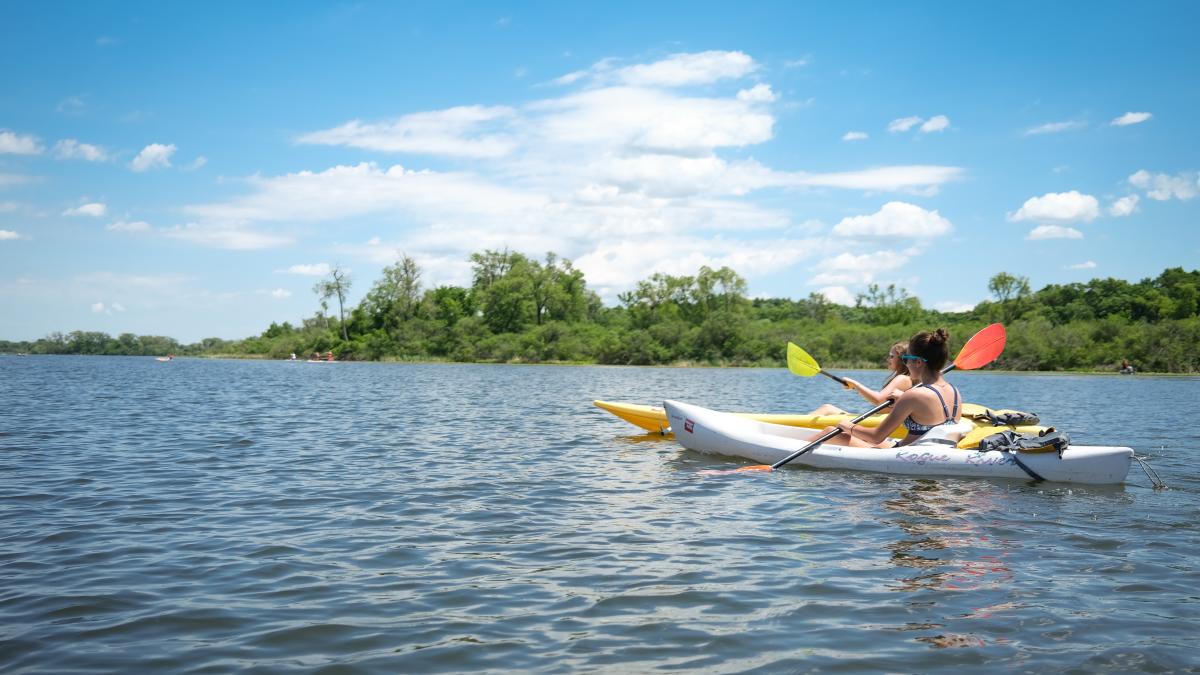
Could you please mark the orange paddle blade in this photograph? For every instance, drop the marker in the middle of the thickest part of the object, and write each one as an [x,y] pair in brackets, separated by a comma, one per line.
[982,348]
[722,472]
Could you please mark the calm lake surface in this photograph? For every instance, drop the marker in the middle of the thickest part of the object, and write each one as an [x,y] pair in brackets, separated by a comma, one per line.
[210,516]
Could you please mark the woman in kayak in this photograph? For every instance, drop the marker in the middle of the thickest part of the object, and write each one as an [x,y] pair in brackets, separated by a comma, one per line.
[930,403]
[897,383]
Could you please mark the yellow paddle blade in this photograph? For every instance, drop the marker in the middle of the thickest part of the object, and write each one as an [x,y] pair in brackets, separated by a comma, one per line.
[800,363]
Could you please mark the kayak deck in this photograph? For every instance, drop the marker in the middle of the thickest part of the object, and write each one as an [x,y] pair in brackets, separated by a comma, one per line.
[713,432]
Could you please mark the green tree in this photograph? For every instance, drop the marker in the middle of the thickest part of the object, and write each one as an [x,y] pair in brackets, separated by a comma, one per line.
[1010,291]
[337,285]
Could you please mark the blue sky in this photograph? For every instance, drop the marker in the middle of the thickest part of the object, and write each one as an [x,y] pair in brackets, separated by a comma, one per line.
[191,169]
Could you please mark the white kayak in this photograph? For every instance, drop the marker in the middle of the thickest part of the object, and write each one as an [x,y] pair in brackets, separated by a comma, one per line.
[934,454]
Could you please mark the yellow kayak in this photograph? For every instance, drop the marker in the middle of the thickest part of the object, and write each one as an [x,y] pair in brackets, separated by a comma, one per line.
[653,418]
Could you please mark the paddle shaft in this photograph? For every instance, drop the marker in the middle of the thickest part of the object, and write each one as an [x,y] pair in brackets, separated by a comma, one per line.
[833,377]
[813,445]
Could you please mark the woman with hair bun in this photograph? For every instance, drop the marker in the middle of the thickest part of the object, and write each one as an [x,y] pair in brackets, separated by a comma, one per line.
[897,383]
[930,403]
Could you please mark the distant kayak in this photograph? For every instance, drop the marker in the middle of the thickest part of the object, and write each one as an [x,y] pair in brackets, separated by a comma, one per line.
[164,358]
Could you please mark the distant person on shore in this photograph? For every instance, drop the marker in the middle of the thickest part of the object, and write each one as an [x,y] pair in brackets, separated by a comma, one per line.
[293,356]
[897,383]
[328,356]
[1126,367]
[930,403]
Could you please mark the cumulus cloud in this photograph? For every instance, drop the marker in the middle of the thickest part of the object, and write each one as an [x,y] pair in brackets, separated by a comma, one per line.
[903,124]
[153,156]
[227,236]
[838,295]
[281,293]
[109,309]
[1052,128]
[1062,207]
[927,126]
[1162,187]
[12,143]
[1131,118]
[94,209]
[935,123]
[855,136]
[895,219]
[8,235]
[454,132]
[1123,206]
[128,226]
[1054,232]
[1087,265]
[313,270]
[759,93]
[627,153]
[953,306]
[680,70]
[69,148]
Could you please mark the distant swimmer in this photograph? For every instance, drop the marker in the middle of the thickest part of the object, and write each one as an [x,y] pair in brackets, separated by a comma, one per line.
[293,356]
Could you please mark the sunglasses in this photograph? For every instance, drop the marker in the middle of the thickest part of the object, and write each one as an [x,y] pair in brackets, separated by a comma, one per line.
[914,357]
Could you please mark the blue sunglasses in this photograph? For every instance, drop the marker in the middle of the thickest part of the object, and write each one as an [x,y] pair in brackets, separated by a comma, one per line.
[914,357]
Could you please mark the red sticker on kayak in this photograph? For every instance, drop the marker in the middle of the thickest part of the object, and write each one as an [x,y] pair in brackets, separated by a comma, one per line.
[687,426]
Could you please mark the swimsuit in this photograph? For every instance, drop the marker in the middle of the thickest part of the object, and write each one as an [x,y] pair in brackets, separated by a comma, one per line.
[915,428]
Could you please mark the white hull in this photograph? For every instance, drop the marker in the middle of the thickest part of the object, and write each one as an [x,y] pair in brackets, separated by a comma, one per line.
[720,433]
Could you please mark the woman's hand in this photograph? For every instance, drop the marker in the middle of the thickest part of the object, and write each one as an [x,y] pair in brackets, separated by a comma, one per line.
[846,426]
[851,384]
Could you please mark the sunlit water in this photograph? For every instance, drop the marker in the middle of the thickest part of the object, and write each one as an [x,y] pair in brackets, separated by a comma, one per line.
[209,516]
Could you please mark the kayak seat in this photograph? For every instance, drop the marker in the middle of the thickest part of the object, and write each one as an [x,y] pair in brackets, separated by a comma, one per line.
[945,434]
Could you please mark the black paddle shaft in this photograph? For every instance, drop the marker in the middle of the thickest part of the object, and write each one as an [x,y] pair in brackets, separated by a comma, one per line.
[835,378]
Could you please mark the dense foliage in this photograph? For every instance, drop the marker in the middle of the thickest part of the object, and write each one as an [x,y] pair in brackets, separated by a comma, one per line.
[519,309]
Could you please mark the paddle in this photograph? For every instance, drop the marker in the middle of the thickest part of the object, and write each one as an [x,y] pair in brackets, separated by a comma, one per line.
[980,350]
[800,363]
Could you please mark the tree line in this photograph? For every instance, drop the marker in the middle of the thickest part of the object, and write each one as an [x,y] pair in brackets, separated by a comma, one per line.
[521,309]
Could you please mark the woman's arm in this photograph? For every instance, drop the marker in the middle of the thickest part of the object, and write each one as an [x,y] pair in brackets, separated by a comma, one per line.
[898,385]
[874,435]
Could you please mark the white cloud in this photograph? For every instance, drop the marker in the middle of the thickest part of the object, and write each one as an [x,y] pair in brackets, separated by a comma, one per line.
[118,307]
[1054,232]
[9,207]
[953,306]
[227,236]
[94,209]
[798,63]
[1131,118]
[97,307]
[313,270]
[839,295]
[895,219]
[281,293]
[196,163]
[454,132]
[855,136]
[69,148]
[1162,187]
[12,143]
[847,269]
[883,178]
[153,156]
[1088,265]
[1123,206]
[6,235]
[1062,207]
[72,105]
[1052,128]
[903,124]
[680,70]
[935,123]
[759,93]
[128,226]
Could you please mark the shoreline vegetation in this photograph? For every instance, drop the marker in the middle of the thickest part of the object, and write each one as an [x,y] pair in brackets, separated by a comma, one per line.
[522,310]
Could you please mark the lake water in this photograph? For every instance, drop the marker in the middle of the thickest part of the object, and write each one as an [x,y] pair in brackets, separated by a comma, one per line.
[209,516]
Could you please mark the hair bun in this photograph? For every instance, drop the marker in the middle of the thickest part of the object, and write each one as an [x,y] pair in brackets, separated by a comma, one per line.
[941,335]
